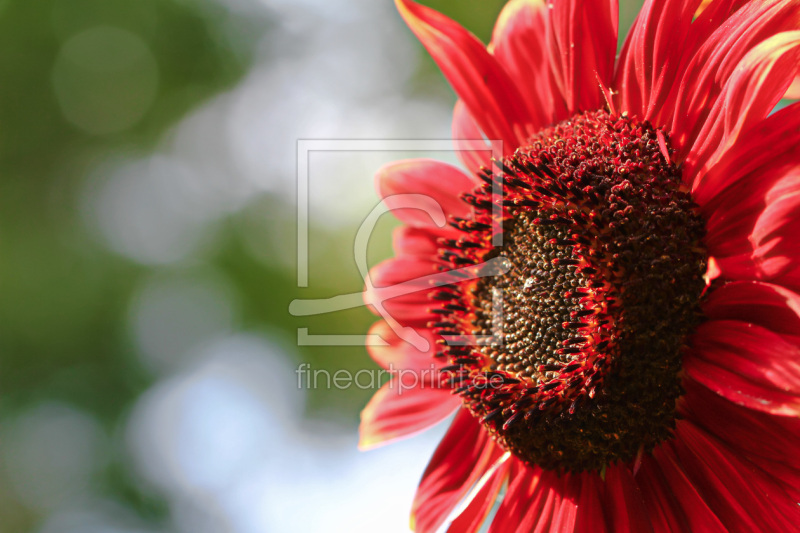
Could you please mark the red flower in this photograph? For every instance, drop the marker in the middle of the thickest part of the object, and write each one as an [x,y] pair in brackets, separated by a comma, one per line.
[644,374]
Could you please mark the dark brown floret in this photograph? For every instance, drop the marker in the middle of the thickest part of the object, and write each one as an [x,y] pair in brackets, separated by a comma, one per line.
[578,344]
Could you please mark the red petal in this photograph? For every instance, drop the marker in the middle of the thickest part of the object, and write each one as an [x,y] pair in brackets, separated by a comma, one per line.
[582,41]
[533,502]
[400,287]
[400,355]
[473,151]
[398,410]
[755,236]
[623,502]
[749,365]
[664,511]
[768,146]
[649,60]
[751,351]
[768,442]
[749,433]
[674,502]
[404,269]
[482,498]
[586,510]
[712,59]
[491,97]
[738,493]
[464,455]
[749,95]
[417,242]
[519,43]
[431,187]
[762,304]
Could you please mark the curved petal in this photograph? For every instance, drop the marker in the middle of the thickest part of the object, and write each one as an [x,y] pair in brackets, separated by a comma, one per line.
[473,151]
[482,498]
[464,455]
[754,88]
[397,354]
[491,97]
[718,55]
[748,365]
[400,287]
[649,60]
[531,502]
[670,44]
[421,243]
[754,435]
[407,404]
[742,497]
[436,187]
[763,304]
[519,43]
[582,41]
[771,144]
[673,501]
[754,236]
[624,502]
[587,507]
[664,512]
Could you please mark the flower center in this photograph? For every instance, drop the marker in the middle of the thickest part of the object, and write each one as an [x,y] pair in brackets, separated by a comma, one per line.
[576,345]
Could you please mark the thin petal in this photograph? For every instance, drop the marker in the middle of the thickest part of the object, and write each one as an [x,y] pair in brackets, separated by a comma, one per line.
[432,187]
[754,88]
[769,145]
[681,504]
[519,43]
[482,498]
[742,497]
[464,455]
[399,410]
[753,434]
[582,41]
[491,97]
[531,502]
[400,287]
[752,351]
[713,60]
[624,502]
[768,442]
[417,242]
[664,511]
[762,304]
[472,150]
[748,365]
[397,354]
[588,509]
[755,236]
[653,49]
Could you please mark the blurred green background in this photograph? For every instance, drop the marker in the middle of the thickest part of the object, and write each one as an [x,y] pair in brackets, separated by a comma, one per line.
[147,258]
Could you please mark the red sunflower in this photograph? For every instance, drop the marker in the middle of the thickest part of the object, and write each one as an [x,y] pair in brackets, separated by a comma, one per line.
[626,357]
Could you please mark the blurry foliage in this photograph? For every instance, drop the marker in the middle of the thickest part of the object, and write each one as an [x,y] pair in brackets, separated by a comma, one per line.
[64,297]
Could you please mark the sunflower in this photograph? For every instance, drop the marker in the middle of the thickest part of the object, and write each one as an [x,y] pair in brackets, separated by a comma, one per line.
[616,317]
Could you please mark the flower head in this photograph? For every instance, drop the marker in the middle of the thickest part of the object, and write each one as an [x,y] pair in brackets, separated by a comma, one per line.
[618,331]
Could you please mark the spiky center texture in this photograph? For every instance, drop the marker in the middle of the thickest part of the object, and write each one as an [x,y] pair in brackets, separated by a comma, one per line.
[571,354]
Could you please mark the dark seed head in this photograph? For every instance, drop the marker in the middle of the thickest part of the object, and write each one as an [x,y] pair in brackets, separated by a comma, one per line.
[581,338]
